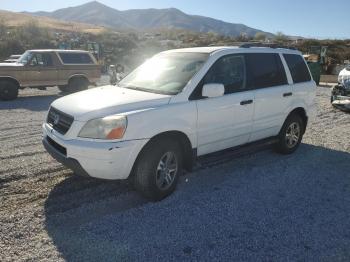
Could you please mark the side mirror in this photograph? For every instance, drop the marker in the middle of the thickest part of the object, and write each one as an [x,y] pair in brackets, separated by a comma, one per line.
[213,90]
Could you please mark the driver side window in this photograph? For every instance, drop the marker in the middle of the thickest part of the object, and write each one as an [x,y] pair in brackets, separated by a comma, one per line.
[230,71]
[34,61]
[43,59]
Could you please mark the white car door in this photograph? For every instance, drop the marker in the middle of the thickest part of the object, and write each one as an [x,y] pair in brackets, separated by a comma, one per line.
[273,94]
[225,121]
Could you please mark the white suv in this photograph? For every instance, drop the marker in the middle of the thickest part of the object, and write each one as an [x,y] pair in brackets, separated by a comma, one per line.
[178,105]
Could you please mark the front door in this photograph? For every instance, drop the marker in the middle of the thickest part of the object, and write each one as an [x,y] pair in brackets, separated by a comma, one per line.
[226,121]
[41,71]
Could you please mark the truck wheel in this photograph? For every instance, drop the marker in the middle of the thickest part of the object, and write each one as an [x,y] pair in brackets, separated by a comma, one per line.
[63,89]
[77,84]
[158,169]
[8,90]
[290,135]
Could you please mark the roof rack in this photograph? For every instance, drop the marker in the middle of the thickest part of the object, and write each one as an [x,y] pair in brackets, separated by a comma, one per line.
[269,45]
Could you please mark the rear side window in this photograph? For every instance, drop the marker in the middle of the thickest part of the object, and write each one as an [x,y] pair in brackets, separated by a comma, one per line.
[75,58]
[265,70]
[297,68]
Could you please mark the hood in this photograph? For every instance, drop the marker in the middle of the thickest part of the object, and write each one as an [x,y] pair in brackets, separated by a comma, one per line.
[345,72]
[2,65]
[343,75]
[107,100]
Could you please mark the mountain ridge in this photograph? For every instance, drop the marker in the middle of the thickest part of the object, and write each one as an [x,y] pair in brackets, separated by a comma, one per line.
[100,14]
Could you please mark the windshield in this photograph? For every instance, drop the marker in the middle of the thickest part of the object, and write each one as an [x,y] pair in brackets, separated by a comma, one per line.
[165,73]
[25,58]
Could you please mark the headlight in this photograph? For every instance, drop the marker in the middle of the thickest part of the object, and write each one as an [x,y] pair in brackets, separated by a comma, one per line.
[109,128]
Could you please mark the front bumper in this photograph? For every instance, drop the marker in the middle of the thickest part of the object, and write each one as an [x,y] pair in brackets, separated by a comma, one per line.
[71,163]
[105,160]
[341,102]
[340,98]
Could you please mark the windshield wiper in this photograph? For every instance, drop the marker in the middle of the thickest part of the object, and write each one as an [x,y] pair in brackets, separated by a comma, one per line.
[135,88]
[148,90]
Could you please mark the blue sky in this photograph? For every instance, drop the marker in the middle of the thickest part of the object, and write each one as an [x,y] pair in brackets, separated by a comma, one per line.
[308,18]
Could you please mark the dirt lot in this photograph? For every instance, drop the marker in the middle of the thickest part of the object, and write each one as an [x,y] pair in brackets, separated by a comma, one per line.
[259,206]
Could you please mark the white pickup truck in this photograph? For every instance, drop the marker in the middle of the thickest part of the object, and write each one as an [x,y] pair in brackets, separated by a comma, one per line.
[178,105]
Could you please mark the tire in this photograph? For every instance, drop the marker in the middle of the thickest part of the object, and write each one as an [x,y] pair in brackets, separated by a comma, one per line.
[290,135]
[8,90]
[152,176]
[63,89]
[76,85]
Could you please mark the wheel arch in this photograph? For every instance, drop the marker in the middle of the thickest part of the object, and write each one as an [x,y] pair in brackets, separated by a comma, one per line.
[189,154]
[79,76]
[300,111]
[10,79]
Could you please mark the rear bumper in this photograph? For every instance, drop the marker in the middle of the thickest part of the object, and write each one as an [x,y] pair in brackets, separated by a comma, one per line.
[94,81]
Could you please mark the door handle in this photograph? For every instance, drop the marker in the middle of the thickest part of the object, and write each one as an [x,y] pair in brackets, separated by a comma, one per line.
[287,94]
[246,102]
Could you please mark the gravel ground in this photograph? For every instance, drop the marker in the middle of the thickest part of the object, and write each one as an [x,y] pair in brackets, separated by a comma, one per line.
[259,206]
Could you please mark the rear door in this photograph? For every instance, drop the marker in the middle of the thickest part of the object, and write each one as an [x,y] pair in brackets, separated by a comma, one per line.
[303,86]
[273,94]
[79,63]
[225,121]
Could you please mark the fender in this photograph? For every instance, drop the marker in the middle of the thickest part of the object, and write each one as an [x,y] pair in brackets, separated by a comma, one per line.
[10,78]
[78,75]
[150,123]
[296,104]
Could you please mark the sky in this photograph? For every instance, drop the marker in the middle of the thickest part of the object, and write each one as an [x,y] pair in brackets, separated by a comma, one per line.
[307,18]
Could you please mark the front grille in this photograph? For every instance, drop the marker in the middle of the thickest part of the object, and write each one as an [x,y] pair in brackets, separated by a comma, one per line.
[59,121]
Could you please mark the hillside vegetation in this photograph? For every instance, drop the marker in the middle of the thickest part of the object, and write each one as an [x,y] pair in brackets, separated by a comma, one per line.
[13,19]
[20,32]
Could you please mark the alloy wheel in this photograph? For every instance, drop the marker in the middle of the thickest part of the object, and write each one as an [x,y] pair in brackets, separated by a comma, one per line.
[166,171]
[293,134]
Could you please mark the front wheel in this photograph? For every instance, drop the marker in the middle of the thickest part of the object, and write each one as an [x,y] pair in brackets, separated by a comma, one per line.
[158,169]
[75,85]
[8,90]
[290,135]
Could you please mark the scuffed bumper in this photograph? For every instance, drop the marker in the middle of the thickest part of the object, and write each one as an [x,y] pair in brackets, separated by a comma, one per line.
[105,160]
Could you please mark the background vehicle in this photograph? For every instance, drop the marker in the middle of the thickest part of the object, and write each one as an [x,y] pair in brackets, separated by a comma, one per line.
[178,105]
[69,70]
[340,97]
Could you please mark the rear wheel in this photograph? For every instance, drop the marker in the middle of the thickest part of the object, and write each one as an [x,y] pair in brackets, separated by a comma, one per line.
[75,85]
[63,88]
[8,90]
[291,134]
[158,169]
